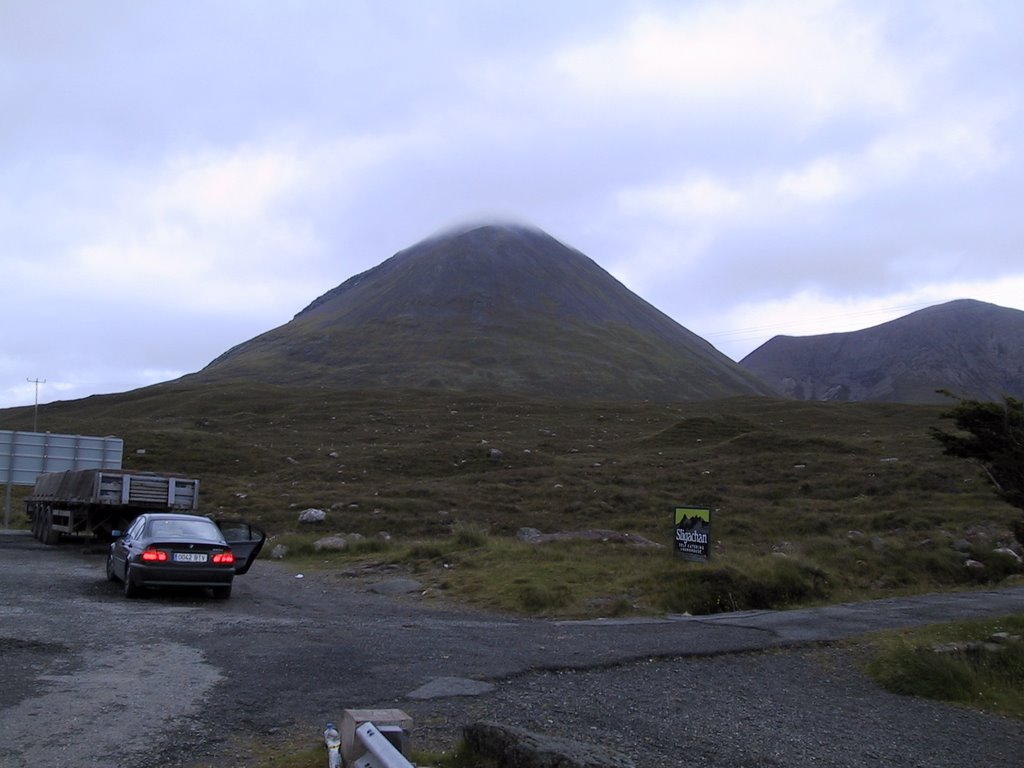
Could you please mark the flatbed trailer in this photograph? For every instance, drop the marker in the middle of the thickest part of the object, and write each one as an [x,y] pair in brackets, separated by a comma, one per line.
[97,502]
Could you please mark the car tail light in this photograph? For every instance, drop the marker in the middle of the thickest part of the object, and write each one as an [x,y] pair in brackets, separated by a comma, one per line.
[224,558]
[154,556]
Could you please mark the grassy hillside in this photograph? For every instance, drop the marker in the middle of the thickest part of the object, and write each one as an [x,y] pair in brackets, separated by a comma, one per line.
[812,501]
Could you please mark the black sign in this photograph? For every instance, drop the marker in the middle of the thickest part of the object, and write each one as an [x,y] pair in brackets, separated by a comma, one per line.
[693,533]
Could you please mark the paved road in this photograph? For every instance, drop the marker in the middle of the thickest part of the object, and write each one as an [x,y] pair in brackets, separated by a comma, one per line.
[182,680]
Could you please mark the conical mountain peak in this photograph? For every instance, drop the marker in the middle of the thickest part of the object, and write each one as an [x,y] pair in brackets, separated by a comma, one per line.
[493,307]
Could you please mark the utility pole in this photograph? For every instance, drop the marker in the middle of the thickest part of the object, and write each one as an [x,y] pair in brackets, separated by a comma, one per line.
[35,413]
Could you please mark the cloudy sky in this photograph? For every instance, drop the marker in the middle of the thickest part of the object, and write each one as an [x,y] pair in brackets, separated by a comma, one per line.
[179,176]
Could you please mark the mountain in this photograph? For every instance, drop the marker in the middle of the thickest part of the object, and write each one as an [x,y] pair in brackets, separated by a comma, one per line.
[494,308]
[970,348]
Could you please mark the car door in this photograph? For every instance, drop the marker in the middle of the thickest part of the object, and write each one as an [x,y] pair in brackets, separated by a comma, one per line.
[122,546]
[246,541]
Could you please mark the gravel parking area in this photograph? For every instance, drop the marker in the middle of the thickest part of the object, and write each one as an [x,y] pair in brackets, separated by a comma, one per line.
[179,679]
[794,708]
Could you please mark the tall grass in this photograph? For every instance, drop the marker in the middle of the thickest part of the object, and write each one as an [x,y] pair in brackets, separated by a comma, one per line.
[913,663]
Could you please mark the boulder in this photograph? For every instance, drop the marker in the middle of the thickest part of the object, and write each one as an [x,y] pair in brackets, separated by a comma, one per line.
[330,544]
[528,534]
[312,516]
[1008,552]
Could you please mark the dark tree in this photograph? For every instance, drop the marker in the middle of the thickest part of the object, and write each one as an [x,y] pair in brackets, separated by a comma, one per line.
[993,435]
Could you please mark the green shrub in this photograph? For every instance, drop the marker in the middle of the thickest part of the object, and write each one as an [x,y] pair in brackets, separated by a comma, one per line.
[536,598]
[466,536]
[923,662]
[920,672]
[999,566]
[367,546]
[776,583]
[423,551]
[782,582]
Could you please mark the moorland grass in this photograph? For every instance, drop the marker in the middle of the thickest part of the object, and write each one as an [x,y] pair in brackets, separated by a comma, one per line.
[906,662]
[812,502]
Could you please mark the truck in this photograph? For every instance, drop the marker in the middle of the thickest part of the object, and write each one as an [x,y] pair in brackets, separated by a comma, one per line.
[102,502]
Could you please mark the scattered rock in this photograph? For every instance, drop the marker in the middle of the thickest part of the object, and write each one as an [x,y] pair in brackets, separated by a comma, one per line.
[1008,552]
[992,644]
[278,552]
[528,534]
[1004,638]
[330,544]
[974,565]
[494,454]
[312,516]
[511,746]
[962,545]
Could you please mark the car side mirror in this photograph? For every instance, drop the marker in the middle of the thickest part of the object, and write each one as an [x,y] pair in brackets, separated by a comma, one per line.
[116,534]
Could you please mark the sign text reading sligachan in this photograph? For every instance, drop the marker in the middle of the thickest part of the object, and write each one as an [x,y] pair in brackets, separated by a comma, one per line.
[693,533]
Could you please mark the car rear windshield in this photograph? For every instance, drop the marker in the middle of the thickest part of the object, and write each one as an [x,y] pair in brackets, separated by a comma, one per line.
[183,529]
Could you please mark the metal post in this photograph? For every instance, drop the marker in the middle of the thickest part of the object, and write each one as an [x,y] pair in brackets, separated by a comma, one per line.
[35,413]
[10,480]
[7,505]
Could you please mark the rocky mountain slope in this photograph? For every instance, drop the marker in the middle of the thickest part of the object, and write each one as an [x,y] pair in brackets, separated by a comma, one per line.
[967,347]
[493,308]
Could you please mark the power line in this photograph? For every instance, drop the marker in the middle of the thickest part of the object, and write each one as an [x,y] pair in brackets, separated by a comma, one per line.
[35,412]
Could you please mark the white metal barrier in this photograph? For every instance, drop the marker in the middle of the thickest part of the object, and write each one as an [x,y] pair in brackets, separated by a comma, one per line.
[380,752]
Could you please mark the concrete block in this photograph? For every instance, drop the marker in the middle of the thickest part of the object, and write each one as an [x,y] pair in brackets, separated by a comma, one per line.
[382,718]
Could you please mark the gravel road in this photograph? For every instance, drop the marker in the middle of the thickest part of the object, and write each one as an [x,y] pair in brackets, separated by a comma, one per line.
[88,678]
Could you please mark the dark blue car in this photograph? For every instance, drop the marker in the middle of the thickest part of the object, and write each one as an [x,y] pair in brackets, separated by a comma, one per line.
[161,549]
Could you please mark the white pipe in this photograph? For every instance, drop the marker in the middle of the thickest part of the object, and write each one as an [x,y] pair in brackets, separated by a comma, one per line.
[380,752]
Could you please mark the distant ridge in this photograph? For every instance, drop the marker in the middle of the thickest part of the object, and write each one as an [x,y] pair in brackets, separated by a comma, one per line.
[967,347]
[492,308]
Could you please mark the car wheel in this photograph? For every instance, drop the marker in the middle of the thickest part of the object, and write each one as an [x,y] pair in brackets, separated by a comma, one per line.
[222,593]
[131,589]
[111,576]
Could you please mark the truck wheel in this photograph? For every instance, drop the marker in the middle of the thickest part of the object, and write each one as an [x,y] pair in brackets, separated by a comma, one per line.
[131,589]
[49,536]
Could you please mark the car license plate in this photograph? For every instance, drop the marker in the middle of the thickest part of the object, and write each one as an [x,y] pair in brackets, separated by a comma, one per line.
[189,557]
